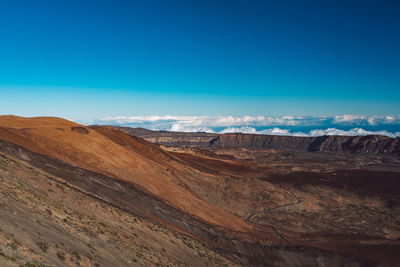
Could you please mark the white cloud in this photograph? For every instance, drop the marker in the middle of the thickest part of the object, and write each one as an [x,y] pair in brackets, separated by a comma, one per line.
[316,132]
[321,125]
[243,129]
[366,120]
[352,132]
[227,121]
[213,121]
[348,118]
[177,127]
[251,130]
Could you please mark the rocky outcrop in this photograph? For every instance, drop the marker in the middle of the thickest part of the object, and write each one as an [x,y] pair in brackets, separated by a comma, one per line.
[261,141]
[357,144]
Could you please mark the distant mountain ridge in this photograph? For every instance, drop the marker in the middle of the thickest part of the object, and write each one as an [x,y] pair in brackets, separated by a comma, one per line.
[375,144]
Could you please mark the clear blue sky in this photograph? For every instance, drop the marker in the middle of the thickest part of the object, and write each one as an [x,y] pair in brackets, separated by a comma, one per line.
[89,59]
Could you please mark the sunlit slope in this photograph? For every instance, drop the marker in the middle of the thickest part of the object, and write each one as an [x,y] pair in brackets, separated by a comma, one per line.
[115,154]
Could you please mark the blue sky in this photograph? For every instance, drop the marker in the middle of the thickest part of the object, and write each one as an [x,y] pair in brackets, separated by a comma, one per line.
[91,59]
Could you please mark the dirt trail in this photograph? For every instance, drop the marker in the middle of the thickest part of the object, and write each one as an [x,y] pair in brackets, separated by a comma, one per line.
[298,201]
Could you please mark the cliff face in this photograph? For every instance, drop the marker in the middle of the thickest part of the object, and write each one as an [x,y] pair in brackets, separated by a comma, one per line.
[261,141]
[357,144]
[354,144]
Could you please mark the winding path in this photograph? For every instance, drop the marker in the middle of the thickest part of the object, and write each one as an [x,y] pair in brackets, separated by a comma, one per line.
[298,201]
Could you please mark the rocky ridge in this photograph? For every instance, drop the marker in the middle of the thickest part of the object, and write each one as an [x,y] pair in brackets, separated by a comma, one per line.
[374,144]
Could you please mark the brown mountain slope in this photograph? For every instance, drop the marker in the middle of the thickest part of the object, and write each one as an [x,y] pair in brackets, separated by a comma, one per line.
[122,195]
[45,221]
[122,159]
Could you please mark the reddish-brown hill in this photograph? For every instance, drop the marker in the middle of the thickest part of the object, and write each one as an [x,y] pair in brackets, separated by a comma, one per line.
[116,154]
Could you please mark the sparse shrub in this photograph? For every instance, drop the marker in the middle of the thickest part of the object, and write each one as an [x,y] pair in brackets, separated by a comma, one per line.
[13,245]
[57,205]
[61,255]
[16,241]
[49,212]
[91,246]
[43,246]
[60,186]
[188,244]
[76,255]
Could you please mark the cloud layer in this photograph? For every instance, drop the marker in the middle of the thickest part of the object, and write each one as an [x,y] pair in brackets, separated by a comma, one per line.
[285,125]
[315,132]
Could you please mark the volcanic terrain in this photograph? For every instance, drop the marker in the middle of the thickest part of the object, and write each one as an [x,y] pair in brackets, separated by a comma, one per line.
[102,196]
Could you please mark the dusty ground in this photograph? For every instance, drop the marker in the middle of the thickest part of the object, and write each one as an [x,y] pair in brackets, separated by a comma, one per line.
[47,223]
